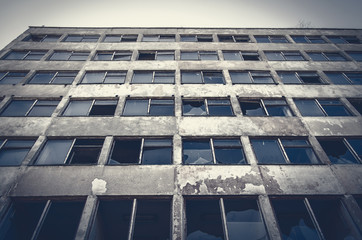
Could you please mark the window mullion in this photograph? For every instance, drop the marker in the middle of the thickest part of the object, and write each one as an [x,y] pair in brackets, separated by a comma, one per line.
[104,76]
[132,220]
[141,150]
[27,54]
[91,106]
[313,217]
[114,53]
[241,56]
[69,151]
[52,79]
[321,107]
[354,153]
[206,106]
[213,150]
[283,151]
[41,220]
[264,107]
[347,78]
[153,76]
[31,107]
[3,144]
[223,218]
[149,106]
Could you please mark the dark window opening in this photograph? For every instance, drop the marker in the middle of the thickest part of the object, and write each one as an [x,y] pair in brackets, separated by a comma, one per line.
[339,151]
[357,104]
[85,151]
[147,56]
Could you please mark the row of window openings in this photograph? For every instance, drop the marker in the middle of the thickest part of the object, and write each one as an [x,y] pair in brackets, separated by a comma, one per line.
[168,77]
[195,38]
[190,107]
[191,55]
[207,218]
[196,151]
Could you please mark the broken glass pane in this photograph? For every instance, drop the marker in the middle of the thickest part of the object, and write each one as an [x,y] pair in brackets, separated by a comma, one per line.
[337,151]
[125,151]
[194,107]
[197,152]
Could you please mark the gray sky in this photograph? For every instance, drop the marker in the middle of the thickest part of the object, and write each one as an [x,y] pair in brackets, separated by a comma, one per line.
[17,15]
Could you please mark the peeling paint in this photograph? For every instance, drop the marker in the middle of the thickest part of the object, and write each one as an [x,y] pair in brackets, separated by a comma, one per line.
[99,186]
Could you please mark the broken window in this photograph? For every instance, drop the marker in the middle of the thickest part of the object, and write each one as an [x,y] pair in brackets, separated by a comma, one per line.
[14,151]
[151,219]
[326,56]
[234,38]
[344,39]
[238,218]
[261,77]
[265,107]
[300,77]
[213,151]
[149,107]
[308,39]
[357,56]
[70,151]
[53,78]
[207,77]
[271,39]
[342,150]
[241,56]
[284,150]
[81,38]
[314,218]
[120,38]
[207,106]
[104,77]
[284,56]
[196,38]
[199,55]
[113,56]
[154,77]
[40,219]
[33,108]
[158,38]
[41,38]
[91,108]
[24,55]
[12,77]
[156,55]
[357,104]
[321,107]
[147,151]
[345,77]
[69,56]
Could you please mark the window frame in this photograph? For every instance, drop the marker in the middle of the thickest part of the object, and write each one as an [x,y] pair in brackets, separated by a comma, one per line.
[154,74]
[206,104]
[121,37]
[307,39]
[350,148]
[272,38]
[263,105]
[149,105]
[284,55]
[200,55]
[6,73]
[56,73]
[326,58]
[298,75]
[114,53]
[234,38]
[160,37]
[320,106]
[201,72]
[3,142]
[156,54]
[344,75]
[27,53]
[241,55]
[105,75]
[42,37]
[34,104]
[197,37]
[343,39]
[251,77]
[93,102]
[82,38]
[72,54]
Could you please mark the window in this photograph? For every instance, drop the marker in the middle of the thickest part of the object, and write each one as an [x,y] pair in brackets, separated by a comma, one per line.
[342,150]
[90,108]
[344,39]
[113,56]
[326,56]
[24,55]
[120,38]
[213,151]
[284,150]
[234,38]
[207,107]
[201,77]
[42,218]
[53,78]
[284,56]
[300,78]
[241,56]
[357,104]
[156,55]
[81,38]
[153,77]
[14,151]
[149,107]
[308,39]
[265,107]
[321,107]
[147,151]
[313,218]
[30,108]
[357,56]
[271,39]
[41,38]
[12,77]
[158,38]
[261,77]
[75,151]
[212,219]
[196,38]
[345,77]
[199,55]
[104,77]
[151,219]
[69,56]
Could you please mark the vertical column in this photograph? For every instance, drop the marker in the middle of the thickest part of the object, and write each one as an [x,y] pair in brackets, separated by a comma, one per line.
[86,219]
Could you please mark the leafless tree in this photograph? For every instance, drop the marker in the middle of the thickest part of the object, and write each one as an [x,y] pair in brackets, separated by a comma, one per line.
[304,24]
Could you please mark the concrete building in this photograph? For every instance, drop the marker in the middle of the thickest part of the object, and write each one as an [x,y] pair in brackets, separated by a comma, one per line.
[181,133]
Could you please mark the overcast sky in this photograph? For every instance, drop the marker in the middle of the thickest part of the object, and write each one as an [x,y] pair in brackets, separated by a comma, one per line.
[17,15]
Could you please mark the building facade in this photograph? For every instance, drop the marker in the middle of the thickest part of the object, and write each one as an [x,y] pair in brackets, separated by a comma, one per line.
[181,133]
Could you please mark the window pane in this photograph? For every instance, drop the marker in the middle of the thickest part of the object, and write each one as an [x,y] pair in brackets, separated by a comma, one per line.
[112,39]
[73,38]
[103,108]
[208,56]
[42,78]
[136,107]
[356,145]
[233,56]
[267,151]
[293,56]
[299,39]
[308,108]
[301,155]
[337,151]
[12,157]
[279,111]
[252,108]
[125,151]
[335,57]
[294,220]
[240,77]
[64,78]
[103,57]
[197,152]
[220,110]
[289,77]
[60,56]
[309,78]
[337,78]
[54,152]
[161,109]
[243,220]
[227,143]
[77,108]
[78,57]
[157,155]
[274,56]
[115,77]
[213,77]
[15,55]
[165,56]
[203,220]
[229,156]
[194,107]
[34,56]
[191,77]
[147,56]
[19,143]
[12,78]
[85,151]
[357,104]
[42,111]
[142,77]
[164,77]
[17,108]
[262,39]
[189,56]
[93,77]
[317,57]
[150,38]
[355,78]
[355,55]
[153,219]
[188,38]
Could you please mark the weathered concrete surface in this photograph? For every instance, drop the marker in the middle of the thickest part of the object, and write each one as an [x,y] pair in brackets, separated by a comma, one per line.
[23,127]
[350,177]
[334,126]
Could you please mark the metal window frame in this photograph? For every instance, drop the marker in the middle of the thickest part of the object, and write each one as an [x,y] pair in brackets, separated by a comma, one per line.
[351,149]
[266,74]
[10,72]
[284,54]
[242,53]
[207,53]
[308,146]
[299,73]
[332,99]
[164,53]
[210,71]
[227,147]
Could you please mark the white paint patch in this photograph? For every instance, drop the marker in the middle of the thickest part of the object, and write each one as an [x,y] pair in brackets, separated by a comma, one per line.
[99,186]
